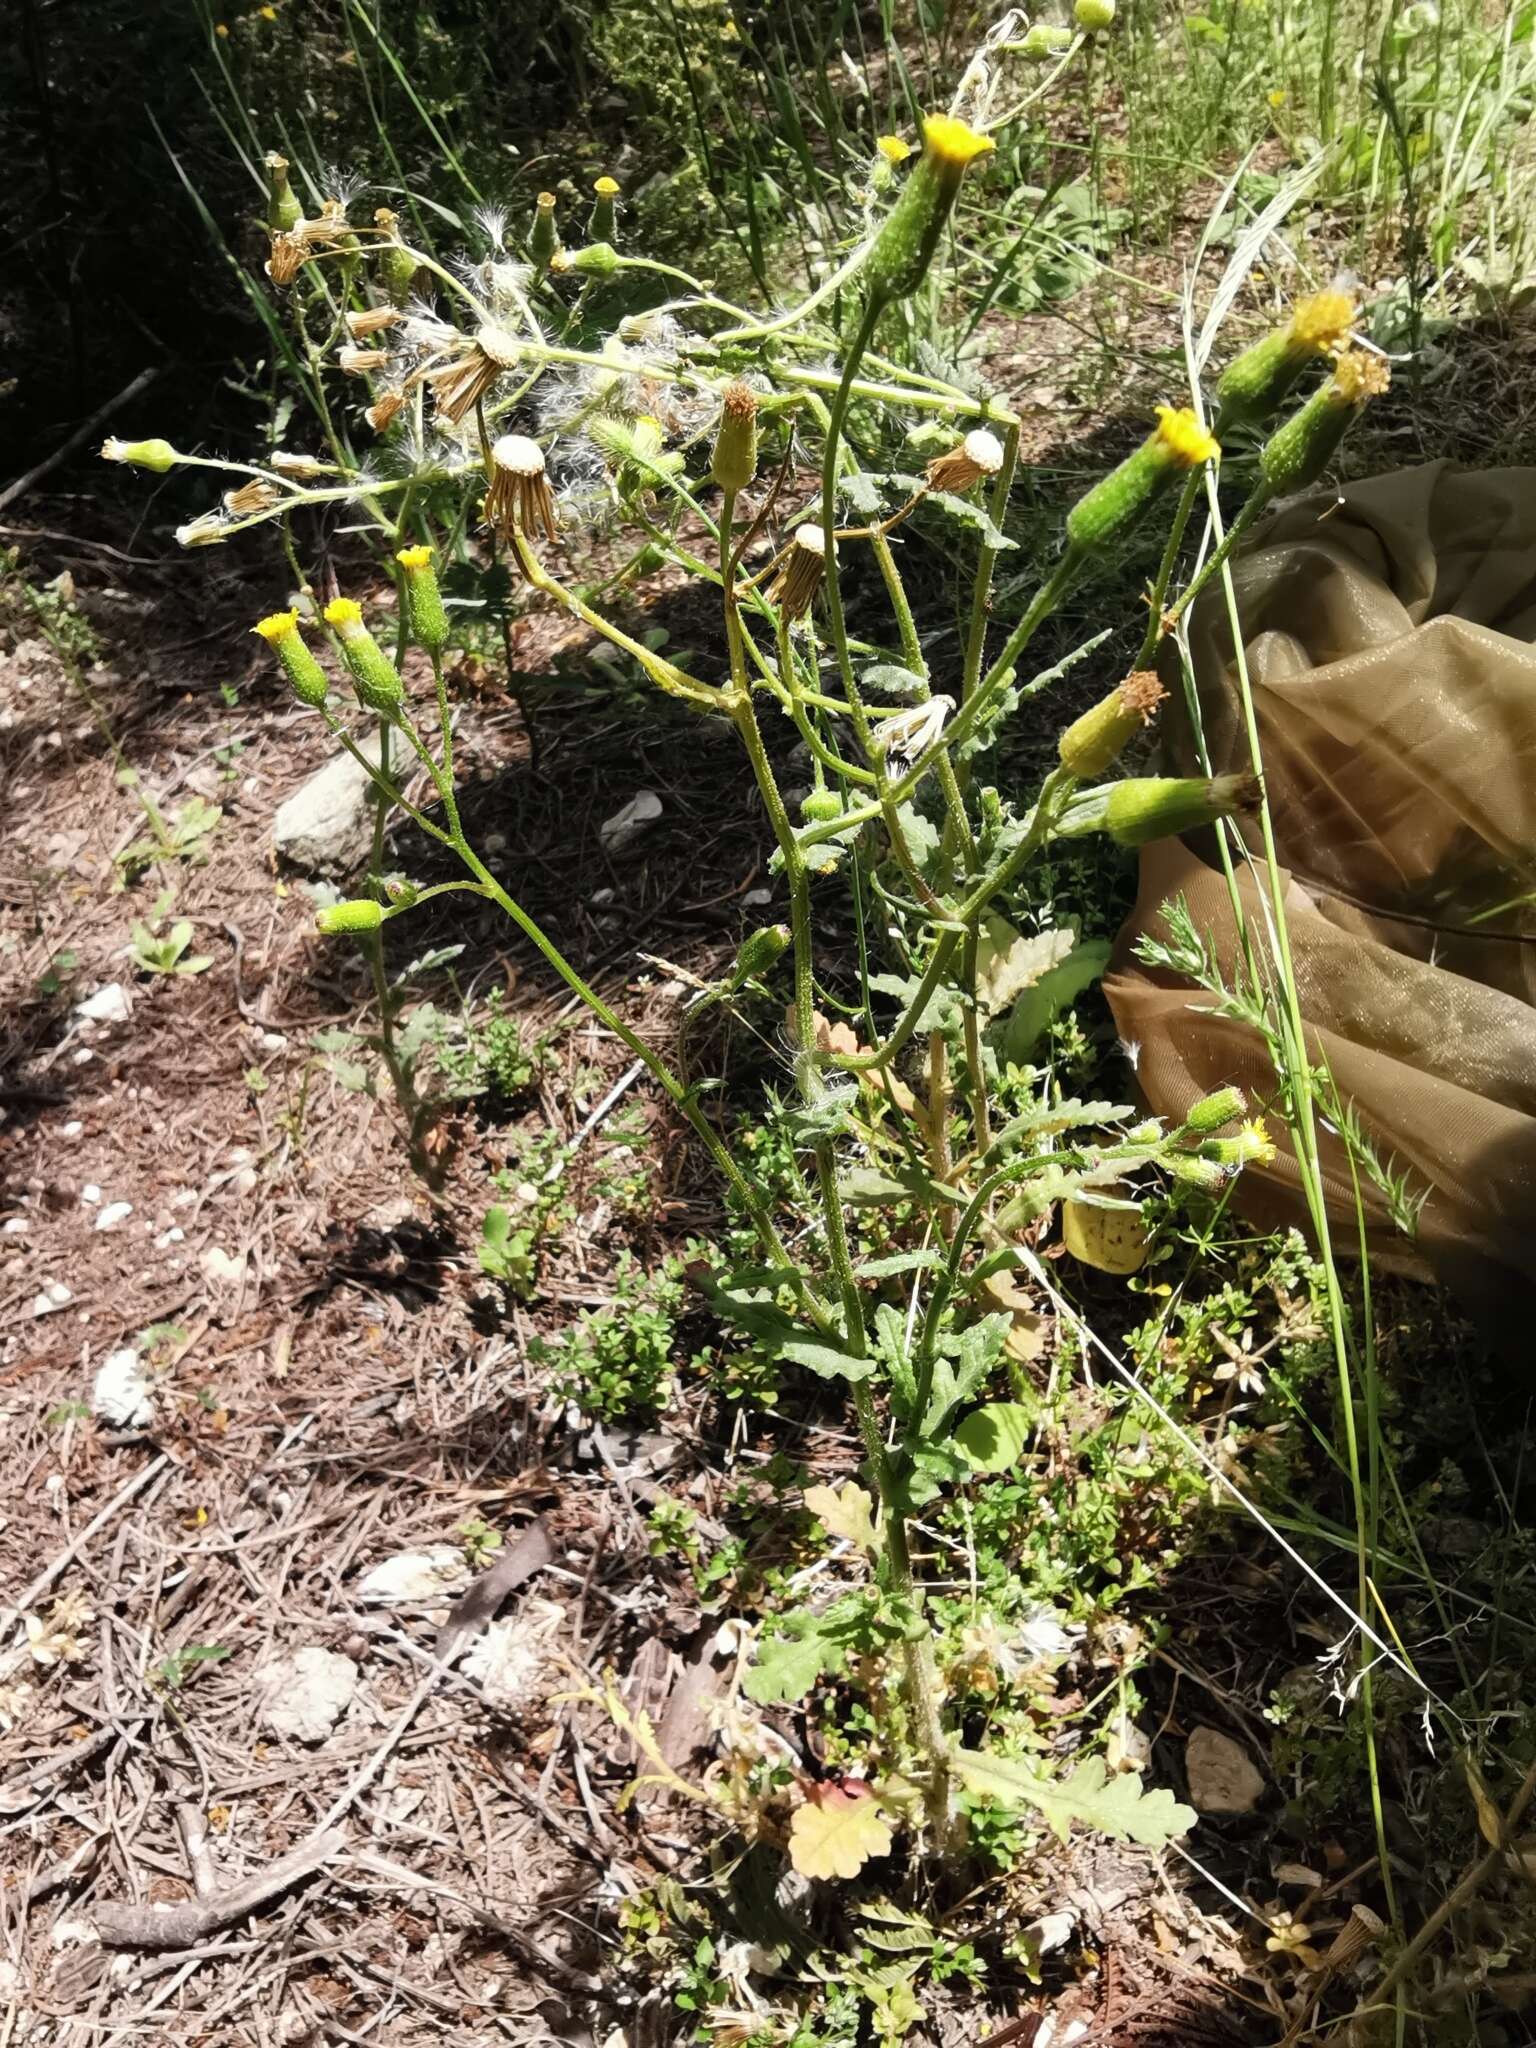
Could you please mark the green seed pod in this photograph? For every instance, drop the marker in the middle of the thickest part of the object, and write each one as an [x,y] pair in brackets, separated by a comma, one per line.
[905,246]
[1212,1111]
[1178,445]
[1092,744]
[544,236]
[378,684]
[821,806]
[283,210]
[1094,14]
[1148,807]
[426,621]
[362,914]
[1296,454]
[733,463]
[603,225]
[156,455]
[281,632]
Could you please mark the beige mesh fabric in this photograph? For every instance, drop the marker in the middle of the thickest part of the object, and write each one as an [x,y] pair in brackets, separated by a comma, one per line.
[1388,635]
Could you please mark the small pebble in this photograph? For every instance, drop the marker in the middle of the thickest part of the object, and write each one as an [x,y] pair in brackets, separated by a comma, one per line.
[90,1194]
[114,1214]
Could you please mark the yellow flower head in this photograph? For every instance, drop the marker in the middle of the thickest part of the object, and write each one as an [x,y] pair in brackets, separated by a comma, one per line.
[1255,1146]
[893,149]
[1358,376]
[1182,435]
[345,614]
[277,627]
[953,143]
[222,29]
[1277,96]
[607,188]
[1323,321]
[414,558]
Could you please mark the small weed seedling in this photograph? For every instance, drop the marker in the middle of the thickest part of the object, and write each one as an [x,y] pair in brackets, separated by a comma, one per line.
[507,1255]
[154,951]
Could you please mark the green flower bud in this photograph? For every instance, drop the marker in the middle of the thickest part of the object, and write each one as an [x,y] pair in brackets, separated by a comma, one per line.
[1094,14]
[362,914]
[1212,1111]
[1148,807]
[733,463]
[1253,1146]
[1178,445]
[283,211]
[1296,454]
[397,266]
[1252,386]
[598,259]
[379,687]
[1044,41]
[156,455]
[1093,743]
[280,630]
[905,246]
[544,236]
[1196,1172]
[603,225]
[426,621]
[821,806]
[758,952]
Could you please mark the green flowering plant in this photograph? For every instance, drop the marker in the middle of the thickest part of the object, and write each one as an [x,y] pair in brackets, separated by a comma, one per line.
[508,414]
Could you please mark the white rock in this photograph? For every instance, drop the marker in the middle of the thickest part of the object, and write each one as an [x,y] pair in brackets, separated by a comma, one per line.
[121,1394]
[90,1194]
[114,1215]
[510,1659]
[1222,1778]
[326,826]
[414,1576]
[109,1005]
[14,1225]
[223,1268]
[756,898]
[625,825]
[55,1295]
[175,1235]
[73,1128]
[303,1696]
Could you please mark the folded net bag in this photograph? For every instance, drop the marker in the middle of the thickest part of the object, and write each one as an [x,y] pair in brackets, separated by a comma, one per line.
[1388,632]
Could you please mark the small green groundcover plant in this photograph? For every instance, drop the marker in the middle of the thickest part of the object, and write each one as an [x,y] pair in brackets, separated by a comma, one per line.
[734,446]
